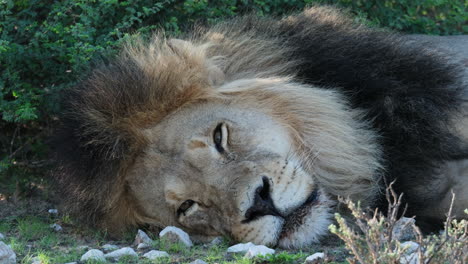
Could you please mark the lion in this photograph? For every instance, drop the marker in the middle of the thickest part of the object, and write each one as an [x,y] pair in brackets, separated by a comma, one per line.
[253,127]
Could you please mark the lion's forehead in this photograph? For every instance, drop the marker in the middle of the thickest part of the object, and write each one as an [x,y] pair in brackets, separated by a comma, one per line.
[190,129]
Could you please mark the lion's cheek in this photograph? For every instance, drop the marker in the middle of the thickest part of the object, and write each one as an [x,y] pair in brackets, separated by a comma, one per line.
[313,226]
[263,231]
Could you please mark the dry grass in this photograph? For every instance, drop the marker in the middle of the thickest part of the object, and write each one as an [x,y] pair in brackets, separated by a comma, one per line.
[370,238]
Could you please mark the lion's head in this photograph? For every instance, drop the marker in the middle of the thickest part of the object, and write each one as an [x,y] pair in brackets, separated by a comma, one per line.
[216,138]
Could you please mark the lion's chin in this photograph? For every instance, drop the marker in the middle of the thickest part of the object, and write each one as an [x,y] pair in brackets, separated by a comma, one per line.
[307,224]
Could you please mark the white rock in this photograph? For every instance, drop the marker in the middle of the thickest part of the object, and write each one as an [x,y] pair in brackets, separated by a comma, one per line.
[259,251]
[240,248]
[403,229]
[56,227]
[116,254]
[154,254]
[83,247]
[7,256]
[36,260]
[216,242]
[53,211]
[142,237]
[143,246]
[93,254]
[109,247]
[315,258]
[2,237]
[198,261]
[409,247]
[412,258]
[71,263]
[176,235]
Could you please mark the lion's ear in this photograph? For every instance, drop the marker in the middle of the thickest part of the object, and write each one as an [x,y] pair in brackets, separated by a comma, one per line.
[189,50]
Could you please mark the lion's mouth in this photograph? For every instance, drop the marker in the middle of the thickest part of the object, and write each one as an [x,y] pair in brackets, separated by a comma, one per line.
[296,218]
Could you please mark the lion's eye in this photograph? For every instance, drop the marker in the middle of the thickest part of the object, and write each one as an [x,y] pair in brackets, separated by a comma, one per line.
[185,206]
[220,135]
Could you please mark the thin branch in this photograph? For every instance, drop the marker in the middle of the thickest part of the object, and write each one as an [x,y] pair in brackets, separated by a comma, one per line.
[13,154]
[447,226]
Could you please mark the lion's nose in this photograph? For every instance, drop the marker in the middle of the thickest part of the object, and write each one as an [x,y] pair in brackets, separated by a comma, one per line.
[263,204]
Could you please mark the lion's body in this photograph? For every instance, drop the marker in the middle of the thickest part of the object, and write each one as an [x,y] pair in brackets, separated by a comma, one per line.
[307,108]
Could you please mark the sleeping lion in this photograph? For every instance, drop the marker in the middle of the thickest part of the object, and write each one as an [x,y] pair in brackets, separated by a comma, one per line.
[252,128]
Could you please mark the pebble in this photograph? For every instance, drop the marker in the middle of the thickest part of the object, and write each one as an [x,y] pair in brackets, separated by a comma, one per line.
[409,247]
[109,247]
[240,248]
[83,247]
[142,237]
[259,251]
[216,242]
[176,235]
[93,254]
[125,251]
[154,254]
[143,246]
[71,263]
[403,229]
[2,237]
[198,261]
[315,258]
[56,227]
[412,258]
[53,211]
[7,256]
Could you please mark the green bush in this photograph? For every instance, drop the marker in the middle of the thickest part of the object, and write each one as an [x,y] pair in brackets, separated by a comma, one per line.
[45,46]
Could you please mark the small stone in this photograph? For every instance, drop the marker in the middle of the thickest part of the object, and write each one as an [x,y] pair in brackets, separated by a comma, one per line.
[256,251]
[315,258]
[154,254]
[412,258]
[93,254]
[176,235]
[216,242]
[7,256]
[240,248]
[109,247]
[117,254]
[36,260]
[142,237]
[198,261]
[2,237]
[83,247]
[71,263]
[143,246]
[409,247]
[403,229]
[53,211]
[56,227]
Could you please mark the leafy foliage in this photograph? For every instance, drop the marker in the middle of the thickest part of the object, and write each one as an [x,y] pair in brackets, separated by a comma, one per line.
[45,46]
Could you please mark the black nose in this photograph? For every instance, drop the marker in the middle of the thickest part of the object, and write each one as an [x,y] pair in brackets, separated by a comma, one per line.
[263,204]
